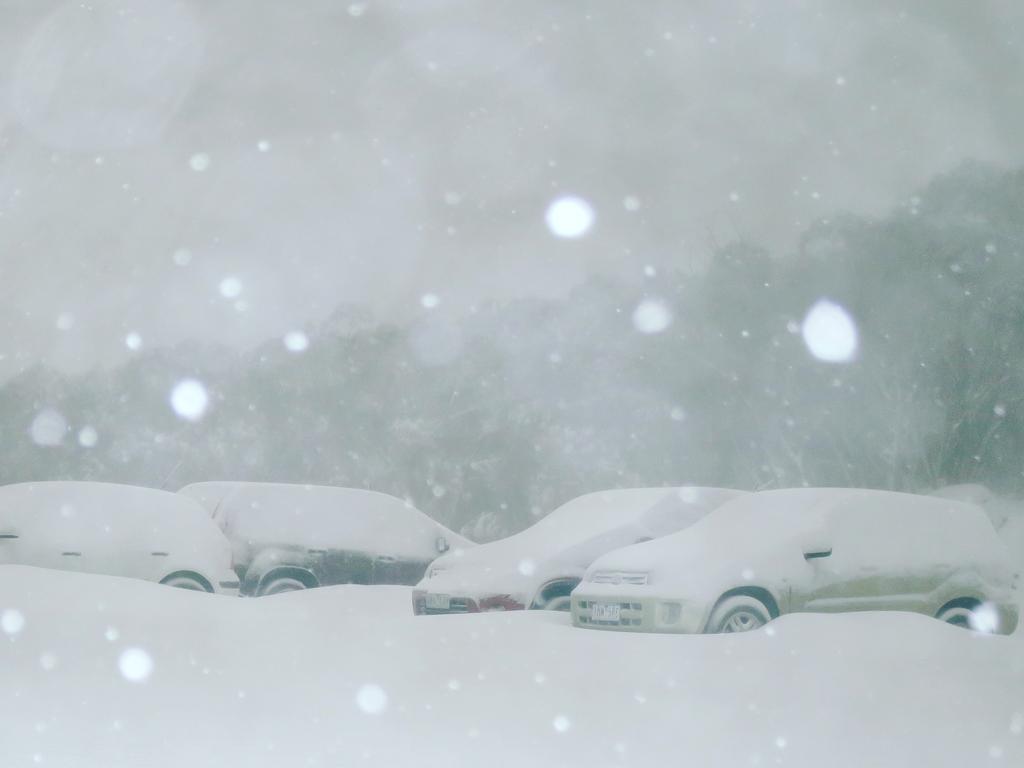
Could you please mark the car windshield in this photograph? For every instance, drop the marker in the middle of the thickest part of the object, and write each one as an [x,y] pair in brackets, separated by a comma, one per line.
[450,382]
[599,512]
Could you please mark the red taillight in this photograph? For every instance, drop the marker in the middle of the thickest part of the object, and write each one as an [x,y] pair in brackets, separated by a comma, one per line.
[500,603]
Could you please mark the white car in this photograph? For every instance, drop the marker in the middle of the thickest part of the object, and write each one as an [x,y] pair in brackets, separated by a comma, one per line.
[118,530]
[539,567]
[821,550]
[288,537]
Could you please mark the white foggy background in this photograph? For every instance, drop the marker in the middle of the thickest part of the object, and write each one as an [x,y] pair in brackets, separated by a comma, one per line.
[323,153]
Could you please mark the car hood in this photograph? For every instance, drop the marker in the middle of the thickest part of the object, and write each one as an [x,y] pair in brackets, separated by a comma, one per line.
[515,566]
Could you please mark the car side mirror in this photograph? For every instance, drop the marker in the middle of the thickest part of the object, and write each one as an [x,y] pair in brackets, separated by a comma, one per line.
[817,552]
[441,544]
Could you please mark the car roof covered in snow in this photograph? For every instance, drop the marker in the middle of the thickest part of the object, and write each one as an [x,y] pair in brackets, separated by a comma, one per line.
[323,517]
[125,514]
[789,511]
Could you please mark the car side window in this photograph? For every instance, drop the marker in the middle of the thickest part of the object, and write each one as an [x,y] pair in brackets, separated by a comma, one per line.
[864,536]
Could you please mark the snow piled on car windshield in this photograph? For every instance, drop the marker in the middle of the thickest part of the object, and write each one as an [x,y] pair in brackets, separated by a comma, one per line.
[596,513]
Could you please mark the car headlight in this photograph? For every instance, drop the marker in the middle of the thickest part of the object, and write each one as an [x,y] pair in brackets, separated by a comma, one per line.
[669,613]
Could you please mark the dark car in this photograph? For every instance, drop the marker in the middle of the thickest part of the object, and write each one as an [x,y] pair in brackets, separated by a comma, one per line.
[290,537]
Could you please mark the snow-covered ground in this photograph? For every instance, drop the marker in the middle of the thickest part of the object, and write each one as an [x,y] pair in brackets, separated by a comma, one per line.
[101,671]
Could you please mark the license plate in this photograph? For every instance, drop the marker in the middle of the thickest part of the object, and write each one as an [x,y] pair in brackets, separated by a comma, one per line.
[605,611]
[438,602]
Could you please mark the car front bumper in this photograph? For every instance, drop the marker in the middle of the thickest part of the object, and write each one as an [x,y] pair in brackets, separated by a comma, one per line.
[425,603]
[636,613]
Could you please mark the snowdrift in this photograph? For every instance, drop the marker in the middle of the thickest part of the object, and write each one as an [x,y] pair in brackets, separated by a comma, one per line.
[101,672]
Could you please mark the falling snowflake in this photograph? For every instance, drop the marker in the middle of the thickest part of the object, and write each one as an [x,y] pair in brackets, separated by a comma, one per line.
[136,665]
[296,341]
[230,287]
[570,217]
[88,437]
[48,428]
[830,333]
[372,699]
[189,399]
[12,621]
[985,618]
[652,316]
[199,162]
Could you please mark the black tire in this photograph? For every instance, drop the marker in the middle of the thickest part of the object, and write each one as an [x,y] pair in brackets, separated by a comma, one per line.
[738,613]
[555,597]
[184,581]
[280,585]
[971,615]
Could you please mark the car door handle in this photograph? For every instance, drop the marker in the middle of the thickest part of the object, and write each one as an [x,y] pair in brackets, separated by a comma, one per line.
[8,535]
[316,551]
[160,554]
[71,554]
[818,555]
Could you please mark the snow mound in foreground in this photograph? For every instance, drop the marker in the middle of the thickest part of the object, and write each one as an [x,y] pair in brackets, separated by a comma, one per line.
[112,672]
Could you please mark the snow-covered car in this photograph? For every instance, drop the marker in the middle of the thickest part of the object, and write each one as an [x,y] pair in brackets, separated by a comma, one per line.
[539,567]
[117,530]
[287,537]
[809,549]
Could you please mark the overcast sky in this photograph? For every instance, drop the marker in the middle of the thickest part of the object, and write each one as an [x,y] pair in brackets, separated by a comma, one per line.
[156,155]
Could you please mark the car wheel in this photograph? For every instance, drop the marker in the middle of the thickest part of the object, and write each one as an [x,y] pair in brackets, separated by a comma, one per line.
[283,584]
[558,603]
[739,613]
[555,596]
[968,617]
[185,582]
